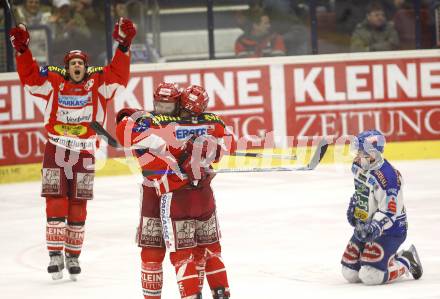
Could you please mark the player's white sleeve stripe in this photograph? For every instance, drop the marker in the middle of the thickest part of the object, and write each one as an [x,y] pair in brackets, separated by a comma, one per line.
[153,142]
[107,91]
[44,89]
[216,271]
[100,114]
[48,110]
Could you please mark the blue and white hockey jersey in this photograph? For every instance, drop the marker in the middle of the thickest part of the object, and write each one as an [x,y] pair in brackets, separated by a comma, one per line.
[379,197]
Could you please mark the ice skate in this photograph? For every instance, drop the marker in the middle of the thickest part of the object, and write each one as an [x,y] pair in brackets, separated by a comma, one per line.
[72,265]
[56,265]
[415,265]
[219,293]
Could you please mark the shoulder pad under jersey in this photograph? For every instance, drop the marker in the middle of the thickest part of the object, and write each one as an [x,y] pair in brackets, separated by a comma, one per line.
[160,119]
[44,71]
[387,177]
[94,69]
[210,117]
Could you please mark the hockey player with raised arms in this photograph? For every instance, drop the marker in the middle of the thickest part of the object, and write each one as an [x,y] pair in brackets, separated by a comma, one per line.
[377,214]
[183,205]
[75,96]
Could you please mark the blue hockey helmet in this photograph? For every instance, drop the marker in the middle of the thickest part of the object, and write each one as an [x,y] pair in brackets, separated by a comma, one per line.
[371,140]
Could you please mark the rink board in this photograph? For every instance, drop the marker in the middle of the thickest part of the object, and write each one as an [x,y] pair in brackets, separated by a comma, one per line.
[277,101]
[417,150]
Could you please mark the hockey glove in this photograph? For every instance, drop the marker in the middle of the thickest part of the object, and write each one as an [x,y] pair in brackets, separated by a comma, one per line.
[199,153]
[367,232]
[123,33]
[125,112]
[350,211]
[19,37]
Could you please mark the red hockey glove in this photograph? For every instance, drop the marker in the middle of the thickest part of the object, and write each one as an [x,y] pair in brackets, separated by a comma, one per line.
[125,112]
[19,37]
[200,152]
[204,147]
[124,32]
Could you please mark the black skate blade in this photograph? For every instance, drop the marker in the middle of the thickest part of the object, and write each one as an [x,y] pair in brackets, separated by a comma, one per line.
[418,272]
[74,270]
[53,269]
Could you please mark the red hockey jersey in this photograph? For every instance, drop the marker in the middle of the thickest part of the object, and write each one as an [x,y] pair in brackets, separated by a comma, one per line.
[72,107]
[158,142]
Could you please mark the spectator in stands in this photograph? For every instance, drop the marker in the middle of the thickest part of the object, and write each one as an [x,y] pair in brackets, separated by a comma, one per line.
[69,28]
[32,14]
[259,41]
[94,17]
[375,33]
[119,9]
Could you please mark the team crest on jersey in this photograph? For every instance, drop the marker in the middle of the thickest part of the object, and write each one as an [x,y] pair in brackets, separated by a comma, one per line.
[61,87]
[89,84]
[44,71]
[373,253]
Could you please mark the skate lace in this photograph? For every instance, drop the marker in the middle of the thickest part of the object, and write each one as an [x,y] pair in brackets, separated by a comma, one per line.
[72,262]
[56,260]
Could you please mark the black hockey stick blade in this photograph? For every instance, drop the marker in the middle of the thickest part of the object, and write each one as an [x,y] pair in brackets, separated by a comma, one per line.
[318,155]
[104,134]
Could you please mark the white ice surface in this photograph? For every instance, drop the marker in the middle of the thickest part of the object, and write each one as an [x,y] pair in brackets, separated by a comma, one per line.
[283,237]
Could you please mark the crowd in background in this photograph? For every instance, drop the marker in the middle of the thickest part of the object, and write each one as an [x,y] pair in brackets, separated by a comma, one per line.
[270,27]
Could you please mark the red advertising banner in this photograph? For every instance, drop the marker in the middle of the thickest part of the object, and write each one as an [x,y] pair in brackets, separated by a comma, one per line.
[319,95]
[399,97]
[22,136]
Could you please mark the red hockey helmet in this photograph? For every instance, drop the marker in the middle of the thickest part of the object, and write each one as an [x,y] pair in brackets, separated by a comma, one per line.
[194,99]
[76,54]
[167,92]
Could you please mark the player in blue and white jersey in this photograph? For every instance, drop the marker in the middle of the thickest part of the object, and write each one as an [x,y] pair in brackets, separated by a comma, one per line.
[378,216]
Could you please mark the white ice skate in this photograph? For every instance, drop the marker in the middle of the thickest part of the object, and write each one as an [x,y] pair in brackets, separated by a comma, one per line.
[72,265]
[56,265]
[415,267]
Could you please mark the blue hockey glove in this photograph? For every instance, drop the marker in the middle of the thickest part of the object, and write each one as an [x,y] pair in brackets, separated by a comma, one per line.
[350,211]
[367,232]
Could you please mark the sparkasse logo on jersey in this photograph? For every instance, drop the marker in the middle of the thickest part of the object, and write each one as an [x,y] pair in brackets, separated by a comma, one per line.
[74,101]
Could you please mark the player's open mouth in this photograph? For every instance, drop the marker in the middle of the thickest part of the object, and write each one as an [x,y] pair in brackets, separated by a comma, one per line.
[77,72]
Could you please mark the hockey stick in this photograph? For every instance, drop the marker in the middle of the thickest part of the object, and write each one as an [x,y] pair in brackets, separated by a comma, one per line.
[263,155]
[114,143]
[314,161]
[103,133]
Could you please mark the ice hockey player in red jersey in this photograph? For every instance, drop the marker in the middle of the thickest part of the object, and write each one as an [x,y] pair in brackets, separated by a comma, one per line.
[177,212]
[75,96]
